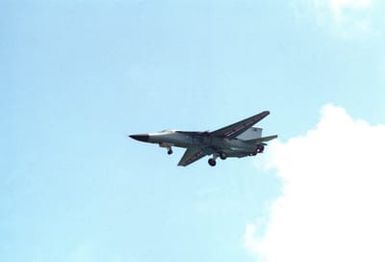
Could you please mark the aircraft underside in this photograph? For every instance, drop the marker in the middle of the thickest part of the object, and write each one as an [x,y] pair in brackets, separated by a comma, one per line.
[222,153]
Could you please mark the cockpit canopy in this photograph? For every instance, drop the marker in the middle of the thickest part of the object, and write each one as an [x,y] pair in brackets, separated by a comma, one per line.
[168,131]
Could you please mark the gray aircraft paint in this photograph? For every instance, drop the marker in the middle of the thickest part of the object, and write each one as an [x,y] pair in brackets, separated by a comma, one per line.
[237,140]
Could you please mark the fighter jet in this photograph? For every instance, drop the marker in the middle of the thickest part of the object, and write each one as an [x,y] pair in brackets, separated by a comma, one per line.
[240,139]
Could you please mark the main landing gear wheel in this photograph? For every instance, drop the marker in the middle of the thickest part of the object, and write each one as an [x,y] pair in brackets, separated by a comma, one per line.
[169,151]
[222,156]
[212,162]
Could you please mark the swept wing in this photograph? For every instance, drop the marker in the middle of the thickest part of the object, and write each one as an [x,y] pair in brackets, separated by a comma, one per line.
[191,155]
[238,128]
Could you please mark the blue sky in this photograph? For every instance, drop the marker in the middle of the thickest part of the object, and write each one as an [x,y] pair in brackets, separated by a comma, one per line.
[78,76]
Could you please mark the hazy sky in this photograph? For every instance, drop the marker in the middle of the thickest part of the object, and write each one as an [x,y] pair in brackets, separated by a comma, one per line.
[77,77]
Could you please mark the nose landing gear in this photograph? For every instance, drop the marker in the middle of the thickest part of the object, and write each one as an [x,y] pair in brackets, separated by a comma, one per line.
[168,146]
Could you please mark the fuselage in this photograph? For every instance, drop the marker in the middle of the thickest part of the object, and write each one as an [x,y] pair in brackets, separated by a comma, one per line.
[231,147]
[239,139]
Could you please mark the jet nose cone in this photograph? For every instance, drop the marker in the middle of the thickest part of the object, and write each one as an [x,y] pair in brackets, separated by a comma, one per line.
[141,137]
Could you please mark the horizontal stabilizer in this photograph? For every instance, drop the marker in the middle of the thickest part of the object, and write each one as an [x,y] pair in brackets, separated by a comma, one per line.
[261,139]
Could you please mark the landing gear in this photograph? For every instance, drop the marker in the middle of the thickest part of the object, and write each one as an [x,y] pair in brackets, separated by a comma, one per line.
[222,156]
[212,162]
[168,146]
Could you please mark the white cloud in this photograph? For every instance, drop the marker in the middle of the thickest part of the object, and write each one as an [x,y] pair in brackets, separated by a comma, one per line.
[345,18]
[352,16]
[332,206]
[341,8]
